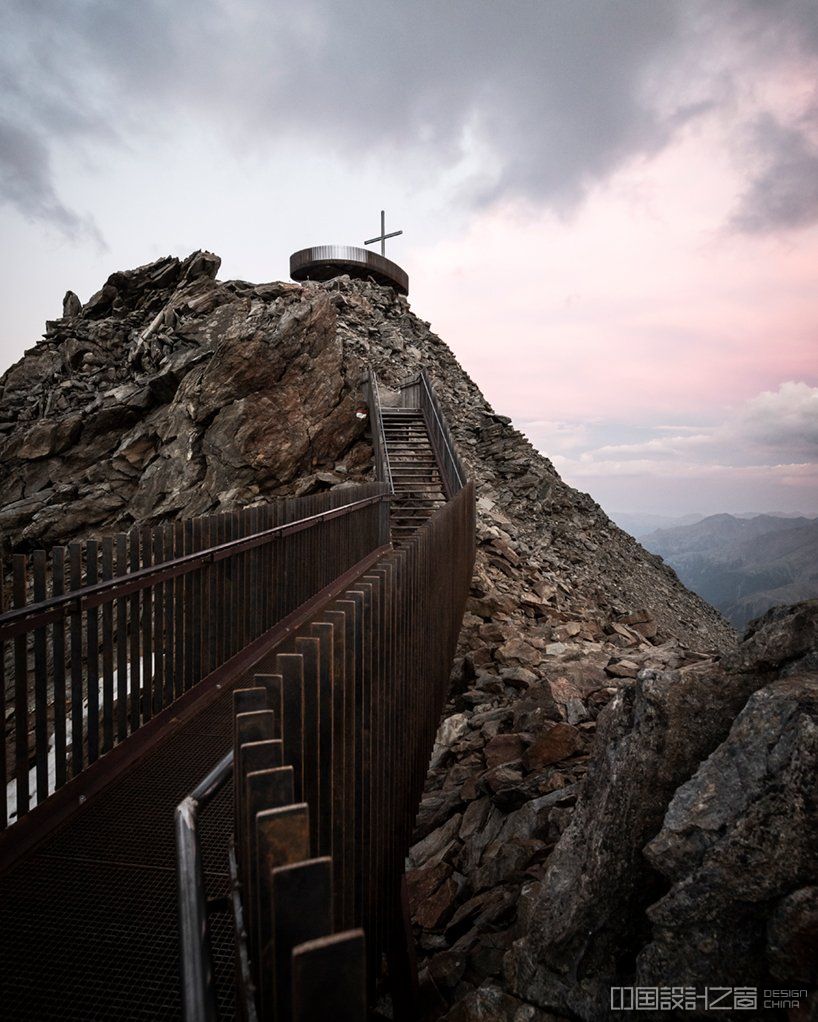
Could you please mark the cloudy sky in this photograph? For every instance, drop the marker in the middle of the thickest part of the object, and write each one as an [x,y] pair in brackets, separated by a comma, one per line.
[610,206]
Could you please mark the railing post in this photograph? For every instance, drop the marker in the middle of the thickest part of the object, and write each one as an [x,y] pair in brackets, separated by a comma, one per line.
[58,648]
[40,684]
[20,690]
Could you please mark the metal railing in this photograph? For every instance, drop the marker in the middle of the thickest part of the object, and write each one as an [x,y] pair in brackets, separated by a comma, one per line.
[330,756]
[103,636]
[383,470]
[419,393]
[196,965]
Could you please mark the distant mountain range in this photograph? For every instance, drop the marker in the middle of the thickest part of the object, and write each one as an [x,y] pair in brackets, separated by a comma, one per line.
[743,565]
[640,524]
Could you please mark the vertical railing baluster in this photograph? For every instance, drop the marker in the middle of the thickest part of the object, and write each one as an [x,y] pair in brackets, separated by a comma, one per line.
[92,647]
[218,584]
[77,722]
[190,621]
[19,580]
[179,592]
[158,687]
[199,651]
[329,979]
[170,620]
[107,648]
[302,911]
[282,836]
[134,604]
[308,649]
[40,683]
[147,629]
[212,600]
[121,568]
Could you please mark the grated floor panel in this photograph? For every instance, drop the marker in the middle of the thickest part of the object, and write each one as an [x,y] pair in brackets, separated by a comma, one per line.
[88,926]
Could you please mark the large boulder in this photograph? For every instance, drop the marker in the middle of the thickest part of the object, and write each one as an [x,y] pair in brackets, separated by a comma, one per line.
[695,784]
[739,844]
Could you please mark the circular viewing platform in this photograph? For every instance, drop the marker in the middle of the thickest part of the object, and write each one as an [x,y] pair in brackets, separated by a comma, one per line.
[323,262]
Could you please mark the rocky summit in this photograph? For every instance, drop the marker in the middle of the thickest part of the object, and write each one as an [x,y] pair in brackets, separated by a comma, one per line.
[620,793]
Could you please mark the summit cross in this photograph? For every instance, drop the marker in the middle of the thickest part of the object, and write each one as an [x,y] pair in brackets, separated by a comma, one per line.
[383,235]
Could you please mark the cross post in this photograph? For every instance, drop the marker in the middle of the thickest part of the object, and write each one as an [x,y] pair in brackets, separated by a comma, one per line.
[383,235]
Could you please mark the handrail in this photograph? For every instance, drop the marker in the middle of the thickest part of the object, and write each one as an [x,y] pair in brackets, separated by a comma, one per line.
[43,612]
[443,428]
[376,425]
[454,475]
[316,870]
[110,655]
[195,958]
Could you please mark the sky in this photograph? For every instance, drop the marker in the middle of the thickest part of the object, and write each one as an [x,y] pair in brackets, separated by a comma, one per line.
[610,207]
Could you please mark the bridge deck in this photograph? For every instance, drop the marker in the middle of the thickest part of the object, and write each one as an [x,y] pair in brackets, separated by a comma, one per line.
[88,925]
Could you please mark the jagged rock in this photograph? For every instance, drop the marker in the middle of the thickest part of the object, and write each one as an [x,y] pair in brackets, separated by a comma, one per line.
[432,893]
[596,884]
[491,1004]
[735,836]
[792,938]
[434,846]
[784,639]
[740,835]
[504,749]
[622,669]
[446,969]
[71,305]
[558,742]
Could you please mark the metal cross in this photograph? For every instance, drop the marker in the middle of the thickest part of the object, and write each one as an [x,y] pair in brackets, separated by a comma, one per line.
[383,235]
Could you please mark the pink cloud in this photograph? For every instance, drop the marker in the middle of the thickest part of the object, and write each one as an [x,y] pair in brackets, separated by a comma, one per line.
[622,312]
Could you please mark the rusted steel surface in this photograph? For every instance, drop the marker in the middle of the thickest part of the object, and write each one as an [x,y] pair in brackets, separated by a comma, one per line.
[363,686]
[379,451]
[133,633]
[329,970]
[323,262]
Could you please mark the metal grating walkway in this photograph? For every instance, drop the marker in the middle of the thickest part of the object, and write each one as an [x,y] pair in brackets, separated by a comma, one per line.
[88,926]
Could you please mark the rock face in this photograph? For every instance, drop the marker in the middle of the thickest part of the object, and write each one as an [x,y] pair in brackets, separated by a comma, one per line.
[692,857]
[170,393]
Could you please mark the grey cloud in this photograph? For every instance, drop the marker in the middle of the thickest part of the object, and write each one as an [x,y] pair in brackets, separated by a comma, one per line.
[783,192]
[559,93]
[25,181]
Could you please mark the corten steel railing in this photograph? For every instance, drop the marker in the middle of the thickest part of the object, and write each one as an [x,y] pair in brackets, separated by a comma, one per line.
[102,636]
[383,470]
[329,760]
[419,393]
[330,757]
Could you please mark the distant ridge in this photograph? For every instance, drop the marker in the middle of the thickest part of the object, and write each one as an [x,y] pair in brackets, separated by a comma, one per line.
[639,523]
[743,565]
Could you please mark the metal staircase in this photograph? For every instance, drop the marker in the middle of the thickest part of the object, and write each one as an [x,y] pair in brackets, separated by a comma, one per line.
[416,477]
